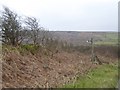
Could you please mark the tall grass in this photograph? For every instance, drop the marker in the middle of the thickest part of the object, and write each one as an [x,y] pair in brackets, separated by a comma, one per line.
[105,76]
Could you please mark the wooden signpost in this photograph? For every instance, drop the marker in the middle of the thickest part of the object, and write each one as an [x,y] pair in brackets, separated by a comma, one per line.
[94,58]
[92,51]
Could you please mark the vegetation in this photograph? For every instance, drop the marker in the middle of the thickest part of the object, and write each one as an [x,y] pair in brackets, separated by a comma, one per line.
[11,27]
[30,51]
[108,39]
[105,76]
[33,26]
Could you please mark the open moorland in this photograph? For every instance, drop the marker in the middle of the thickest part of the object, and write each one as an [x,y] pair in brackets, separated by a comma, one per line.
[33,57]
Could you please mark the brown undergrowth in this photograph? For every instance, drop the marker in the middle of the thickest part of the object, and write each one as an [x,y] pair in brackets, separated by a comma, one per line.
[41,70]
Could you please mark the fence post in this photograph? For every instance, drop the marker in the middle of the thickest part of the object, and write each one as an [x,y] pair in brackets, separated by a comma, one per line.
[92,51]
[94,57]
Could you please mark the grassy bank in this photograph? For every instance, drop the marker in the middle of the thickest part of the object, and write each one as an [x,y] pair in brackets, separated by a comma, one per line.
[104,76]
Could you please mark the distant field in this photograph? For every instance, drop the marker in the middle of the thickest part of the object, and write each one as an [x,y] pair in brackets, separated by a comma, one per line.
[80,38]
[108,39]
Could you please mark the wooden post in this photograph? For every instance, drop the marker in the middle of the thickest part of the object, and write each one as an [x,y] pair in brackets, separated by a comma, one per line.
[92,51]
[94,57]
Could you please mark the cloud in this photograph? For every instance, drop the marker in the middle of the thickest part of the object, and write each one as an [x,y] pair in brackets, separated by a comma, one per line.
[69,14]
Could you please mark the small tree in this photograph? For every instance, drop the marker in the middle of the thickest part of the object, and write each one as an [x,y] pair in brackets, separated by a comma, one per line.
[11,27]
[44,35]
[33,25]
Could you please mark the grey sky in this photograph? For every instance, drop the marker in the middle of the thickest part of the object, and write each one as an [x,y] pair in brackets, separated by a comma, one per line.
[69,14]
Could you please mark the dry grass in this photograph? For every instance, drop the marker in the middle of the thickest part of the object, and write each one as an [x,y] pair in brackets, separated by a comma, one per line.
[41,70]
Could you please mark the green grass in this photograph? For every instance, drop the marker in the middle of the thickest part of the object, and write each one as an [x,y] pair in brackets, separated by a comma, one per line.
[106,43]
[112,36]
[108,39]
[104,76]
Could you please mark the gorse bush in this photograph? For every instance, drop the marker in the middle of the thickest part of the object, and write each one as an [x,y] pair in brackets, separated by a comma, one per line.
[30,48]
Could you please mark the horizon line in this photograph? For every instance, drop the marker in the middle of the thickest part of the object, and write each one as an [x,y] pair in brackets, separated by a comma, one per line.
[89,30]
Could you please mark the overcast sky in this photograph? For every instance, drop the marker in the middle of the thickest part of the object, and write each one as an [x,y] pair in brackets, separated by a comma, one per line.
[69,14]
